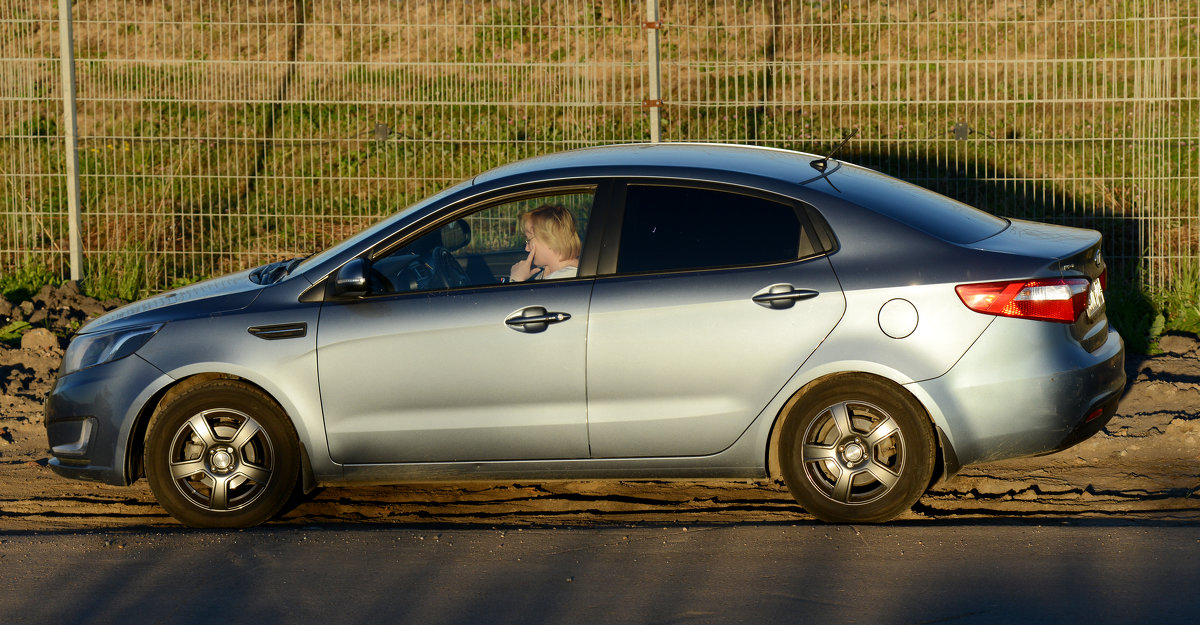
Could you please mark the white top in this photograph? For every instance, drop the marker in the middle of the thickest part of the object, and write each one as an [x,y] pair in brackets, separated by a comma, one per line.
[565,272]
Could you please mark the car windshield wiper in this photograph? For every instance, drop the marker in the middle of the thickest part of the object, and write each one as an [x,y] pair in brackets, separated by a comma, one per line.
[293,263]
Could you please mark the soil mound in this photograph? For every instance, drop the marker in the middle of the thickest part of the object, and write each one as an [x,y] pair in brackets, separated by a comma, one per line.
[60,310]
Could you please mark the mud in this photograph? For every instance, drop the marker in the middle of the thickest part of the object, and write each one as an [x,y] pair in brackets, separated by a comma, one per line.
[1144,464]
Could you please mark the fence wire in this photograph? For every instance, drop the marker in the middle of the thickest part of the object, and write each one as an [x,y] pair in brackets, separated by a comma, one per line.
[33,202]
[218,135]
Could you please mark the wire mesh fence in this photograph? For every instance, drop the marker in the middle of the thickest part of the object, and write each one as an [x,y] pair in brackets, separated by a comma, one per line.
[219,135]
[1081,113]
[33,202]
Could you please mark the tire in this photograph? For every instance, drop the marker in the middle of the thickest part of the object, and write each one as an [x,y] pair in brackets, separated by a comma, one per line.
[222,454]
[857,449]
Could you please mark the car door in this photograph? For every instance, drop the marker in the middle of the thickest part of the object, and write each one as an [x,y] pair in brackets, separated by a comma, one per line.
[715,300]
[437,364]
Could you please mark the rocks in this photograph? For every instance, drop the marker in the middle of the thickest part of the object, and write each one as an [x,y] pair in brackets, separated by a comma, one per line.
[61,310]
[40,339]
[44,323]
[1179,345]
[28,365]
[68,297]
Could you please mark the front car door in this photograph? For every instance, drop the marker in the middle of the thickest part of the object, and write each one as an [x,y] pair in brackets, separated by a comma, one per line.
[439,362]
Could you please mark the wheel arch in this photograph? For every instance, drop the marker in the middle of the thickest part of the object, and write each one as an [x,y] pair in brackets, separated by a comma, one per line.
[945,461]
[136,447]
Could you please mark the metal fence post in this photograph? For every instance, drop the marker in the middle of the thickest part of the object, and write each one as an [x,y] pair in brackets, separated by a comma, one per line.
[70,130]
[654,101]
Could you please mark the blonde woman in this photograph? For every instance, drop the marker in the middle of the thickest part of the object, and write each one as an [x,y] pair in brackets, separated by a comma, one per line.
[552,243]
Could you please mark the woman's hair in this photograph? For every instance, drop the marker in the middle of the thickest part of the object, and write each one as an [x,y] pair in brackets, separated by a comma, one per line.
[554,226]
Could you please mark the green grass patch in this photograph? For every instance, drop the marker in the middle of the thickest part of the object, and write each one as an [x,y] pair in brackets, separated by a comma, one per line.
[11,334]
[1143,316]
[26,281]
[1178,302]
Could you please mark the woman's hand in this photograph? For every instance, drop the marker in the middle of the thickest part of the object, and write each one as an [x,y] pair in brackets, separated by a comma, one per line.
[522,269]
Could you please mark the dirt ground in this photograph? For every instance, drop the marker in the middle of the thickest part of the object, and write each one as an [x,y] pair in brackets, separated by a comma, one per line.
[1145,464]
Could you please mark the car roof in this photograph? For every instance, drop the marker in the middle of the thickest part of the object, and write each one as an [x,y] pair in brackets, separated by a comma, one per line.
[646,158]
[910,204]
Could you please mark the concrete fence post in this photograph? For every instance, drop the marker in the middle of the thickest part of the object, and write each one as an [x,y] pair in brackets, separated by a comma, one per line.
[70,136]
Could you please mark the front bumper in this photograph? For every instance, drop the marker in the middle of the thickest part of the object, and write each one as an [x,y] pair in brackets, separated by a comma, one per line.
[1025,388]
[90,416]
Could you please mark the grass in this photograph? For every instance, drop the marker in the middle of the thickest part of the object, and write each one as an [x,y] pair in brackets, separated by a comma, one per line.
[1143,315]
[185,177]
[26,281]
[19,286]
[118,277]
[11,333]
[207,207]
[1178,304]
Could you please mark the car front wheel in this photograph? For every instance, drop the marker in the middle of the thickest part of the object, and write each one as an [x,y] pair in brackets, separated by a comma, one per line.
[857,449]
[221,454]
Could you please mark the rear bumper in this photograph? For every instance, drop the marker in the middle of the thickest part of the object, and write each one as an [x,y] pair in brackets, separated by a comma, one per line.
[90,415]
[1025,388]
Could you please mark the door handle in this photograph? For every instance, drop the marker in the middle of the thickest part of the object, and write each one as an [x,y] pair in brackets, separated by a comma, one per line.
[780,296]
[534,319]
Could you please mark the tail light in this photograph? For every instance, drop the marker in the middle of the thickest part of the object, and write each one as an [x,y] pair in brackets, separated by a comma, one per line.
[1060,300]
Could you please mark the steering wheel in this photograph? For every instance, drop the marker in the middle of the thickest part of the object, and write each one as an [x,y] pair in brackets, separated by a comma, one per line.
[447,268]
[416,276]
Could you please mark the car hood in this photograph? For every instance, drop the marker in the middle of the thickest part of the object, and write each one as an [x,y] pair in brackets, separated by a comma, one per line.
[210,297]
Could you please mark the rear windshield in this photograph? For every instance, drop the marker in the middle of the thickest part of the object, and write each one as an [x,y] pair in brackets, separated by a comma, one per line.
[920,208]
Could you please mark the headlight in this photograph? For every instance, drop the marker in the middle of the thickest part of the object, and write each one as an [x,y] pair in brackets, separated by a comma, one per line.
[90,350]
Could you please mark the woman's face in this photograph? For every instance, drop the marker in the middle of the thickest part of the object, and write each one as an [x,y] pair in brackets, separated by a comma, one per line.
[542,254]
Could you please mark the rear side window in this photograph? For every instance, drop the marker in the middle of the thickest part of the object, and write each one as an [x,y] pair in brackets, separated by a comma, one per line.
[678,228]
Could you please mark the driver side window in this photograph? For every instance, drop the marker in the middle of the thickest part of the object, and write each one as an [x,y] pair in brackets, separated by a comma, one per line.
[491,246]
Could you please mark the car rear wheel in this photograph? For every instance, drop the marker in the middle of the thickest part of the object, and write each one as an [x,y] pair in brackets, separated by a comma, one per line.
[221,454]
[857,449]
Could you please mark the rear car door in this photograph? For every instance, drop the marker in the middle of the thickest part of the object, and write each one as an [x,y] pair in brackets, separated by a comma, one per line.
[715,299]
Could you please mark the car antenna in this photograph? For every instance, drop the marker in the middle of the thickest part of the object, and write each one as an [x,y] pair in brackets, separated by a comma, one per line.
[822,163]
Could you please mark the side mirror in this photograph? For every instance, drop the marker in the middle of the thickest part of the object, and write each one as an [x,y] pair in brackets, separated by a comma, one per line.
[351,279]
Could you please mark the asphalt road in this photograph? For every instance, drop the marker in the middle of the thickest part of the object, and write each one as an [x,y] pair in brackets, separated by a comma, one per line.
[1094,571]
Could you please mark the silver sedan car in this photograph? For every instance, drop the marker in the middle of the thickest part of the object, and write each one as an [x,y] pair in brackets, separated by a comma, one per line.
[638,311]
